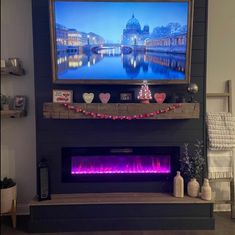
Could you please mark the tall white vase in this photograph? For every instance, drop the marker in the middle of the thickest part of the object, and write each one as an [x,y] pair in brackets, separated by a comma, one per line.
[206,190]
[178,189]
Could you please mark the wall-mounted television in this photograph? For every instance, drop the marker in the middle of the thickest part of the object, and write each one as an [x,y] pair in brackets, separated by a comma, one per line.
[121,42]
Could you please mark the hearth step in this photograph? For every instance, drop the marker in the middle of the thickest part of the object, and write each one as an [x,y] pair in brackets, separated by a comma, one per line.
[119,211]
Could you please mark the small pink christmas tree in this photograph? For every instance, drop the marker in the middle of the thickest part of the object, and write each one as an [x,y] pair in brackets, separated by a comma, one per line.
[144,93]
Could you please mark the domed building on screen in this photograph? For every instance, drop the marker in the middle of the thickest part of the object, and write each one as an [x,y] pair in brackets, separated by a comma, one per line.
[133,34]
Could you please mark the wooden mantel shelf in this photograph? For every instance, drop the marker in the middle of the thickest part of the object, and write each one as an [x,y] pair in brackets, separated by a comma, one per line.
[59,111]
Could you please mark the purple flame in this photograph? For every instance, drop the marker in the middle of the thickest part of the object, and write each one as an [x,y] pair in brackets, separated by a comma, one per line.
[121,164]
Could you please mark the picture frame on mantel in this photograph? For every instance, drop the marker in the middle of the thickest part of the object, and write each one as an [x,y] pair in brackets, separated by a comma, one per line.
[84,52]
[126,97]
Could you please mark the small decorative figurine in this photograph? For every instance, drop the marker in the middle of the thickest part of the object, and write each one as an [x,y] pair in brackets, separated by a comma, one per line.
[88,97]
[160,97]
[144,93]
[104,97]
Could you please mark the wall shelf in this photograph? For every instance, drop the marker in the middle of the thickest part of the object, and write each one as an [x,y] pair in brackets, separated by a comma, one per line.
[59,111]
[12,66]
[13,113]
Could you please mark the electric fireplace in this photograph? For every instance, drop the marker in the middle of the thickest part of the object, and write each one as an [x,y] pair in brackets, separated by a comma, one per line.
[119,163]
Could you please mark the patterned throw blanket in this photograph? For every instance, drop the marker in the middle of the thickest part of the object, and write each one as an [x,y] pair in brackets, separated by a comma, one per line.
[221,141]
[219,164]
[221,131]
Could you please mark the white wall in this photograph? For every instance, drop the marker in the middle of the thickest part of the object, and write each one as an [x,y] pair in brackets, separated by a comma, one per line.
[221,61]
[18,141]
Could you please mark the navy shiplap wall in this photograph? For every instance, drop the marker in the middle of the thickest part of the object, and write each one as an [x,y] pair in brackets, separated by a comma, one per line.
[52,135]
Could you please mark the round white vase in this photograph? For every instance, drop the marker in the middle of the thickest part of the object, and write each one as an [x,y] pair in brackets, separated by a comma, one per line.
[193,188]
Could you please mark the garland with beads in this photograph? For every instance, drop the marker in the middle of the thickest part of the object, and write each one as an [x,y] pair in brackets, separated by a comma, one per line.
[96,115]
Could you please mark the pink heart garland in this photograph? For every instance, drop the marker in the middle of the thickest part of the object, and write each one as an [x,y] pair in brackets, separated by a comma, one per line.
[160,97]
[104,97]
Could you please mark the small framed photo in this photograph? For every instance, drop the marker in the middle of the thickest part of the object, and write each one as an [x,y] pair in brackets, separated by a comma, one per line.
[62,96]
[20,102]
[126,96]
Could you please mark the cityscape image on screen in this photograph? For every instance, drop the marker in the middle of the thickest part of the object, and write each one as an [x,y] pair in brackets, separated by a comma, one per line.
[121,40]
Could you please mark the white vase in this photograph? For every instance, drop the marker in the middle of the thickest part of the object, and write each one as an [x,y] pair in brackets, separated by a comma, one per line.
[178,189]
[193,188]
[206,190]
[7,196]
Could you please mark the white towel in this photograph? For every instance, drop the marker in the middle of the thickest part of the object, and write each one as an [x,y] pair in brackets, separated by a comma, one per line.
[219,164]
[221,131]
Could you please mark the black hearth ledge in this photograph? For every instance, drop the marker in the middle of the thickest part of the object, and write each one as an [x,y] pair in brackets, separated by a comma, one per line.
[71,215]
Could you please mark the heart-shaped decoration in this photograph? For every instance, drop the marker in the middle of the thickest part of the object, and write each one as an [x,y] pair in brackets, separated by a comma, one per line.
[160,97]
[88,97]
[104,97]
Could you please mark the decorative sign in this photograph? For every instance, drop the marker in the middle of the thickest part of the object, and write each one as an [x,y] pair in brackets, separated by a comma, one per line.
[160,97]
[62,96]
[126,96]
[88,97]
[19,102]
[104,97]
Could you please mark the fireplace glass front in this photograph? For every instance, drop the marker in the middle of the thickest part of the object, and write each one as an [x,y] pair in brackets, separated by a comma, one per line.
[118,164]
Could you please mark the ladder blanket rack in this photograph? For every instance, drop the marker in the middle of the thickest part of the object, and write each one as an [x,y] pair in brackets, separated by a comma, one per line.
[228,96]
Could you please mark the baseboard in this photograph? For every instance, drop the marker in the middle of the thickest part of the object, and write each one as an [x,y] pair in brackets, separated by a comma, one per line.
[74,225]
[222,207]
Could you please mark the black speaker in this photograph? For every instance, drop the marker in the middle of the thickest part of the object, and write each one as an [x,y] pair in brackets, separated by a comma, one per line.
[43,181]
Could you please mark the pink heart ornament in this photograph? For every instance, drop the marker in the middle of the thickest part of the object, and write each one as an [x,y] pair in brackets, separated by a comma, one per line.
[88,97]
[104,97]
[160,97]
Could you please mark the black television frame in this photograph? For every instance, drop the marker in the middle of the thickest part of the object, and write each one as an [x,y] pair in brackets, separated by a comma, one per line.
[121,82]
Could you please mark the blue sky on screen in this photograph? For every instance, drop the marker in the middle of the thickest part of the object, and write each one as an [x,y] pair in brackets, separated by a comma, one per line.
[108,19]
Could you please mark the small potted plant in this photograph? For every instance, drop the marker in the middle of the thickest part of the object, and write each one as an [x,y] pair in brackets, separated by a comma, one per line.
[192,166]
[5,102]
[8,194]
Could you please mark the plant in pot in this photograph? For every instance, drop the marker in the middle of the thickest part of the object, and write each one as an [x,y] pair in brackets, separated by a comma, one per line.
[8,195]
[5,102]
[192,166]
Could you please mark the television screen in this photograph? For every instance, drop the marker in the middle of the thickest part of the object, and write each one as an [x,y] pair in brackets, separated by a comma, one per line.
[116,42]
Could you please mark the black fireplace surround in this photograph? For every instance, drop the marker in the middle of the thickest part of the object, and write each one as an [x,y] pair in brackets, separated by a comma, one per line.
[107,164]
[53,135]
